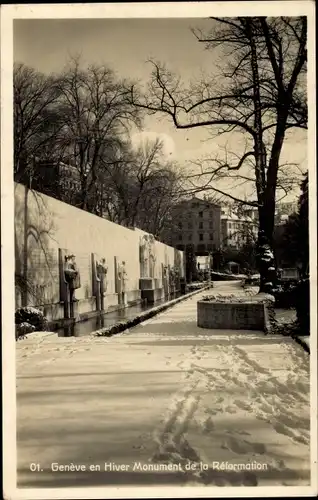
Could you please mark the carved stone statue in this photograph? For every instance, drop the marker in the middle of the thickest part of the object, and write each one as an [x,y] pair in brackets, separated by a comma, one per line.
[101,272]
[70,280]
[72,276]
[152,256]
[177,279]
[152,265]
[176,274]
[165,272]
[144,256]
[122,278]
[165,279]
[171,278]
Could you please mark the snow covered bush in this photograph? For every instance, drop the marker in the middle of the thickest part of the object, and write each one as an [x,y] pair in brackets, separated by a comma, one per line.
[23,328]
[235,299]
[231,299]
[29,318]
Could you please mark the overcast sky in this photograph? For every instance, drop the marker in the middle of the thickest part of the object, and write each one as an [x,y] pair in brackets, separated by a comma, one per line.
[126,45]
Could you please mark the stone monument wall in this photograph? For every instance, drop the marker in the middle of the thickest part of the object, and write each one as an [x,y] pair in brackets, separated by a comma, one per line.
[43,225]
[165,255]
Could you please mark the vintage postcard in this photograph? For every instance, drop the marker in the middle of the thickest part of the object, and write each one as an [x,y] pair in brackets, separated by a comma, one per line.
[159,277]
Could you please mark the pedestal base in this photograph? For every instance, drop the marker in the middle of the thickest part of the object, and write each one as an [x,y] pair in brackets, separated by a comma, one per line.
[147,284]
[152,295]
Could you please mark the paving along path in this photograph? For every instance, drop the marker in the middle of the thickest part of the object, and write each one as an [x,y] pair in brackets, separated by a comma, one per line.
[166,402]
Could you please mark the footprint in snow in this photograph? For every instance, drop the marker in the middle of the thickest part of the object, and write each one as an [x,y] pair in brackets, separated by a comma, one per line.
[259,448]
[243,433]
[214,411]
[242,405]
[233,445]
[230,409]
[138,447]
[208,425]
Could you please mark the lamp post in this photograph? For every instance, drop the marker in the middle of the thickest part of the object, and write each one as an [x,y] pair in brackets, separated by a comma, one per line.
[210,267]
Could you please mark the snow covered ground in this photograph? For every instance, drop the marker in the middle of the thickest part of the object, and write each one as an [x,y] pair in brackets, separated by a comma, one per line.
[167,403]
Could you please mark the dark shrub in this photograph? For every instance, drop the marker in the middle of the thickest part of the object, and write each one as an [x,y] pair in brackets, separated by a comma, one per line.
[31,316]
[302,304]
[285,294]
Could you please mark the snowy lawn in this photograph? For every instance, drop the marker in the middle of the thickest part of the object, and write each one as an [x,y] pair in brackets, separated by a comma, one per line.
[168,402]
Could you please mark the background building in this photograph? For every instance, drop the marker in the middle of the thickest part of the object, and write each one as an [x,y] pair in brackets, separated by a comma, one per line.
[252,213]
[56,179]
[283,211]
[196,222]
[237,230]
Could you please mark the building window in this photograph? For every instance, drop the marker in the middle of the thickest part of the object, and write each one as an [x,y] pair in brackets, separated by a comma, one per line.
[201,237]
[180,237]
[211,237]
[190,237]
[200,225]
[211,224]
[200,214]
[190,225]
[180,225]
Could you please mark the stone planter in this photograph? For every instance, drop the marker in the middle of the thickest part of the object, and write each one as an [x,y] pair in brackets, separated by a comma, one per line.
[248,313]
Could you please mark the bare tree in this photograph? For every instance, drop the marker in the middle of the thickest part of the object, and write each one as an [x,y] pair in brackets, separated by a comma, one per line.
[258,93]
[140,186]
[79,121]
[96,116]
[36,118]
[157,187]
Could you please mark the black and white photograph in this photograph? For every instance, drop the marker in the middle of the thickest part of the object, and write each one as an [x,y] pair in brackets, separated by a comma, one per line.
[159,255]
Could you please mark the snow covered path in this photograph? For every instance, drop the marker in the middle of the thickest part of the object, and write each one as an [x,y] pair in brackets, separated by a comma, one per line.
[168,403]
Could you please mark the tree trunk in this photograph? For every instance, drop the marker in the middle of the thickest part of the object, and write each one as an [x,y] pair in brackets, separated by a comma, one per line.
[267,221]
[265,258]
[264,252]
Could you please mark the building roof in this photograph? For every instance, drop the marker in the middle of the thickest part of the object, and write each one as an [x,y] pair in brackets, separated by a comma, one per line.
[201,201]
[233,217]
